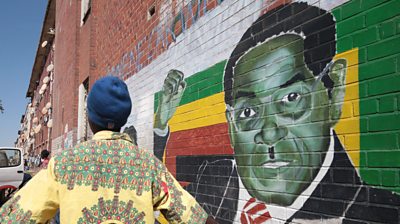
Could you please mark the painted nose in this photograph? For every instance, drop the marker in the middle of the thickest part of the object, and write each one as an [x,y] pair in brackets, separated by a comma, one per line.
[270,133]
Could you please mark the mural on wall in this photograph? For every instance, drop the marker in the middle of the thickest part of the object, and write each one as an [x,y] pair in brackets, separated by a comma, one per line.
[258,138]
[131,131]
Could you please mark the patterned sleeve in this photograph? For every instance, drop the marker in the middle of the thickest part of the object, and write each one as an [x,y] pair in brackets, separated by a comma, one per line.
[36,202]
[176,204]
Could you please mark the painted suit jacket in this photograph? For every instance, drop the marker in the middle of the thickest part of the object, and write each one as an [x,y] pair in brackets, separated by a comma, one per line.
[105,180]
[340,197]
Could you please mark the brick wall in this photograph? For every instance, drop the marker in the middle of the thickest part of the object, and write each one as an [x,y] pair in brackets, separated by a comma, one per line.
[66,67]
[281,110]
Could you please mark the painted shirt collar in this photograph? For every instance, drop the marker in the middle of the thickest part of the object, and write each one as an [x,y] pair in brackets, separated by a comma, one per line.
[110,135]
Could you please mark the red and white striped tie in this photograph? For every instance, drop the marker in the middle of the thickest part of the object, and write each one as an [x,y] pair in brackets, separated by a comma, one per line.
[254,212]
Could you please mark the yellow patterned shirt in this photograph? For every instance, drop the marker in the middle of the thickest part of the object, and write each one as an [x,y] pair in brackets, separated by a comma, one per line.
[105,180]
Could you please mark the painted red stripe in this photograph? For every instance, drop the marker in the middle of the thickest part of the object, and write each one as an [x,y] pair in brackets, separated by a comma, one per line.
[210,140]
[243,219]
[261,219]
[184,183]
[256,209]
[251,201]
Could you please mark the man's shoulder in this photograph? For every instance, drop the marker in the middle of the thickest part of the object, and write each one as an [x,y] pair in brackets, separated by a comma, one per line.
[95,148]
[147,156]
[77,149]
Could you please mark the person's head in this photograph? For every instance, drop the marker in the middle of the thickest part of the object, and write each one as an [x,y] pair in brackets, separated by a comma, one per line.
[44,154]
[108,104]
[283,93]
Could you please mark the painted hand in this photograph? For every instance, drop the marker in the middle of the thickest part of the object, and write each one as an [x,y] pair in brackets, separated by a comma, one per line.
[170,96]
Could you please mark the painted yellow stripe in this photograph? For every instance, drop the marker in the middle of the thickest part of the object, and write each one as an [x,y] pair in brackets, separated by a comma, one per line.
[348,128]
[200,113]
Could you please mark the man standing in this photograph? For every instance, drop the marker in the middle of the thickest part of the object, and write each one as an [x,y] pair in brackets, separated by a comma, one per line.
[105,180]
[284,94]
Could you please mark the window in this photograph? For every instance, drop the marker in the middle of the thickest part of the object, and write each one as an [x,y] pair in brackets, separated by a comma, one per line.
[10,157]
[151,12]
[86,6]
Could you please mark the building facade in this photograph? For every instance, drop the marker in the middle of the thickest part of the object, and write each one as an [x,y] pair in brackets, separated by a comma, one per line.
[36,124]
[265,110]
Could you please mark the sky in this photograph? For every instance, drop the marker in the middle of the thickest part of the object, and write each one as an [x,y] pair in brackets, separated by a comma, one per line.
[20,28]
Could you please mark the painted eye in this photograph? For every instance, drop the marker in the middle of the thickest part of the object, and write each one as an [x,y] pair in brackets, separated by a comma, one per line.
[291,97]
[247,112]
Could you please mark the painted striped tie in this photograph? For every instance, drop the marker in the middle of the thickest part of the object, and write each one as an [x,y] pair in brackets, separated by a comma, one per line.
[254,212]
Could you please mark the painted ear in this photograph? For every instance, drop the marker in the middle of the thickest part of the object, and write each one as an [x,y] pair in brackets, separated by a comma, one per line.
[337,73]
[229,119]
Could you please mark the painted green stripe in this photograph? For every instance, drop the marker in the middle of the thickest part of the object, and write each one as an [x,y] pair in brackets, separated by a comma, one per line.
[200,85]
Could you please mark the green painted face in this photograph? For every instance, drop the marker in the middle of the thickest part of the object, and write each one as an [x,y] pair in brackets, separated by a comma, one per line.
[279,121]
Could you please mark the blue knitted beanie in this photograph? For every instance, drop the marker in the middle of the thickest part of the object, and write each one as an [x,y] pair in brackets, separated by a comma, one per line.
[109,103]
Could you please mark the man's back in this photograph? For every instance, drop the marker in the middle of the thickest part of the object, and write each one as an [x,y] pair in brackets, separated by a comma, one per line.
[107,178]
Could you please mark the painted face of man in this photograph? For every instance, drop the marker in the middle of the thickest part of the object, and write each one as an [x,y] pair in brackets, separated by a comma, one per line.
[279,120]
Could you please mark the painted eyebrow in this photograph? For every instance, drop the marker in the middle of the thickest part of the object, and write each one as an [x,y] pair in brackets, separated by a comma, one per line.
[245,94]
[296,78]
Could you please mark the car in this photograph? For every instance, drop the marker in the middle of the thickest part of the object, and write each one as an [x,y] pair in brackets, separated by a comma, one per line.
[12,176]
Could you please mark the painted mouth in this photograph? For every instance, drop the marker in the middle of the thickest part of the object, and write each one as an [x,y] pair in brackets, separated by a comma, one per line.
[275,164]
